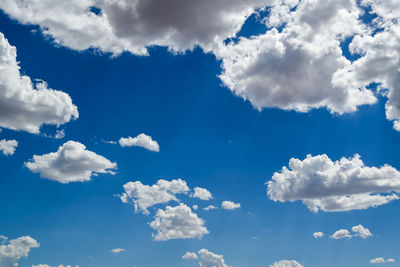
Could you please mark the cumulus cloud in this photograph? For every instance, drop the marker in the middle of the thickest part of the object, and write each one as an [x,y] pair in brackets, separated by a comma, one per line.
[286,263]
[142,140]
[201,193]
[340,234]
[8,146]
[318,234]
[133,26]
[381,260]
[12,251]
[210,207]
[145,196]
[26,105]
[117,250]
[323,184]
[210,259]
[229,205]
[177,223]
[358,230]
[71,163]
[190,256]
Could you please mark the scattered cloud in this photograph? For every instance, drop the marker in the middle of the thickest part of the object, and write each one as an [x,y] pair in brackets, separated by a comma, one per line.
[117,250]
[286,263]
[381,260]
[322,184]
[71,163]
[229,205]
[210,259]
[318,234]
[201,193]
[210,207]
[142,140]
[190,256]
[8,146]
[358,230]
[13,250]
[340,234]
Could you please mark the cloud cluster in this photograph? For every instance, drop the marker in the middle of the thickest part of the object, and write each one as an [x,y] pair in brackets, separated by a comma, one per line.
[15,249]
[71,163]
[7,147]
[323,184]
[381,260]
[229,205]
[286,263]
[26,105]
[142,140]
[358,230]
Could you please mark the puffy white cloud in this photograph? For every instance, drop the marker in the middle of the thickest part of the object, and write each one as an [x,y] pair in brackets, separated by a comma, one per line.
[318,234]
[381,260]
[229,205]
[390,260]
[15,249]
[177,223]
[26,105]
[201,193]
[210,259]
[8,146]
[71,163]
[126,25]
[141,140]
[210,207]
[286,263]
[361,231]
[195,207]
[343,185]
[190,256]
[145,196]
[117,250]
[340,234]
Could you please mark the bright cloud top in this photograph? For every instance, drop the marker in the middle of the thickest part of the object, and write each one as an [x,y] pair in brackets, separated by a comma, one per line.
[15,249]
[286,263]
[26,105]
[358,230]
[201,193]
[177,223]
[210,259]
[145,196]
[229,205]
[7,147]
[142,140]
[343,185]
[71,163]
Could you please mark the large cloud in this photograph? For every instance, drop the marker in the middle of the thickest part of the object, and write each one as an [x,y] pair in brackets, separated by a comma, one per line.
[71,163]
[133,25]
[286,263]
[25,105]
[347,184]
[177,223]
[15,249]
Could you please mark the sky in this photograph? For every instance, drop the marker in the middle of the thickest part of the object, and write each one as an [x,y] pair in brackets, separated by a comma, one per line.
[226,133]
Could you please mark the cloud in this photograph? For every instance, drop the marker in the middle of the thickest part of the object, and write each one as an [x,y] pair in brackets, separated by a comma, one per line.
[46,265]
[177,223]
[190,256]
[8,146]
[340,234]
[210,207]
[135,25]
[71,163]
[195,207]
[117,250]
[209,259]
[15,249]
[145,196]
[201,193]
[26,105]
[229,205]
[286,263]
[142,140]
[381,260]
[343,185]
[358,230]
[318,234]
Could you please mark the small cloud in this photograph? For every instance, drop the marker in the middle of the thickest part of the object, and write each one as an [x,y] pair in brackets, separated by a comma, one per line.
[210,207]
[190,256]
[318,234]
[195,207]
[142,140]
[229,205]
[7,147]
[340,234]
[117,250]
[201,193]
[381,260]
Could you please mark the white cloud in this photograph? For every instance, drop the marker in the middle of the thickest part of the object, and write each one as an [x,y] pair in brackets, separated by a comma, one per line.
[15,249]
[209,259]
[342,185]
[361,231]
[195,207]
[46,265]
[318,234]
[142,140]
[132,26]
[190,256]
[286,263]
[177,223]
[117,250]
[229,205]
[8,146]
[210,207]
[391,260]
[26,105]
[381,260]
[340,234]
[71,163]
[201,193]
[145,196]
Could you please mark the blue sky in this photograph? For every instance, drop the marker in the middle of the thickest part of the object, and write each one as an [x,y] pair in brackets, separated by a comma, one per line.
[230,136]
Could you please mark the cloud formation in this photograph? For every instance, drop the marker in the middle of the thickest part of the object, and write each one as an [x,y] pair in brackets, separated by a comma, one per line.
[190,256]
[323,184]
[13,250]
[381,260]
[210,259]
[201,193]
[71,163]
[229,205]
[318,234]
[286,263]
[142,140]
[358,230]
[117,250]
[27,105]
[7,147]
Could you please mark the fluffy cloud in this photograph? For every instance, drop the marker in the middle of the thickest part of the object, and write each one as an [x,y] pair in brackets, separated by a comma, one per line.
[117,250]
[229,205]
[190,256]
[358,230]
[8,146]
[209,259]
[141,140]
[340,234]
[177,223]
[26,105]
[381,260]
[342,185]
[145,196]
[71,163]
[210,207]
[15,249]
[318,234]
[286,263]
[133,26]
[201,193]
